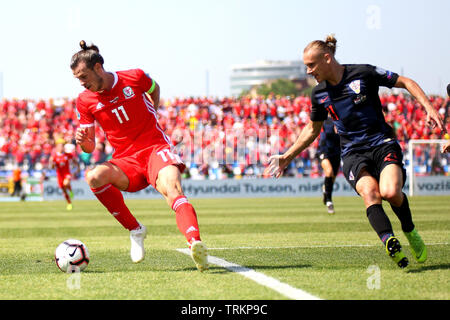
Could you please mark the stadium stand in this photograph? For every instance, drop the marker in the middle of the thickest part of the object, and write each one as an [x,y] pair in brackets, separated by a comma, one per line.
[217,137]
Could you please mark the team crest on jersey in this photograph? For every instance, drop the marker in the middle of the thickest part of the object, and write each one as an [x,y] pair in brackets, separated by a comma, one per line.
[355,86]
[128,92]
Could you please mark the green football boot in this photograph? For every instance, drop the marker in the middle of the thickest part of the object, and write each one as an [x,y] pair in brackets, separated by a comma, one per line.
[394,250]
[417,246]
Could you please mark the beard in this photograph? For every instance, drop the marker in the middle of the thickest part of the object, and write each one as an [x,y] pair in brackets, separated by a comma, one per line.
[96,85]
[99,82]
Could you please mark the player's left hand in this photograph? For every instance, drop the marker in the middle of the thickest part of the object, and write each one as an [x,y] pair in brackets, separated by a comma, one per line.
[434,119]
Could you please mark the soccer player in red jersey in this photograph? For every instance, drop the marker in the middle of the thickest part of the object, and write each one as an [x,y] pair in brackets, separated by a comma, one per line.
[61,160]
[124,104]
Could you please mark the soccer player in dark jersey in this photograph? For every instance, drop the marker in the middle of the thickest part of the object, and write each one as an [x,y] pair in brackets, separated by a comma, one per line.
[329,152]
[124,104]
[372,158]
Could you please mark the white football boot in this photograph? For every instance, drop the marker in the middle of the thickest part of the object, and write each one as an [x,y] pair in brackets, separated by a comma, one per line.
[199,253]
[330,207]
[137,237]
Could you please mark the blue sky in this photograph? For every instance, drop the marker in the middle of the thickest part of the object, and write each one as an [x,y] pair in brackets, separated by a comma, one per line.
[178,41]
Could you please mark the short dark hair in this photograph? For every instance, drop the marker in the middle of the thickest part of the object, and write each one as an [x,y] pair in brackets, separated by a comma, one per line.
[88,54]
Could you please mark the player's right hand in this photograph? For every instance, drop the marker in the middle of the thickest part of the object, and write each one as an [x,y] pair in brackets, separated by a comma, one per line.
[277,164]
[81,135]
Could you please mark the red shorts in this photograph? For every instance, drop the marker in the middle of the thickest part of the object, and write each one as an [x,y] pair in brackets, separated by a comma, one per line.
[61,177]
[142,167]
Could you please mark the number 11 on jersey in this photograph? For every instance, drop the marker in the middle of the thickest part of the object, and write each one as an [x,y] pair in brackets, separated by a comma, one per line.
[163,156]
[116,112]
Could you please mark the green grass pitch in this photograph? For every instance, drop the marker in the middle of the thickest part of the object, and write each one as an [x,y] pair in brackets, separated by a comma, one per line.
[292,240]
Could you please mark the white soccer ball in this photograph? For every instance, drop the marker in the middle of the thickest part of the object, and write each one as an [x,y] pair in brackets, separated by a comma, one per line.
[72,256]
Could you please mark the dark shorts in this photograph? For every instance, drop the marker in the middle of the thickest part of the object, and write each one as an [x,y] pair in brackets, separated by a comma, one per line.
[373,160]
[335,161]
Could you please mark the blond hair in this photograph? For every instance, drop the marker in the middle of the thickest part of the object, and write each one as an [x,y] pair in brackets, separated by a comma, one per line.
[60,141]
[327,46]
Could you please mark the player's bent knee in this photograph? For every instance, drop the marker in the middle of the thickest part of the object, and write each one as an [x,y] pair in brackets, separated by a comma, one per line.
[392,195]
[91,178]
[369,195]
[169,184]
[371,198]
[97,178]
[171,192]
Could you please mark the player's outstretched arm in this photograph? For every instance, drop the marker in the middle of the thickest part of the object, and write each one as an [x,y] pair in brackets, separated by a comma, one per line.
[277,163]
[433,117]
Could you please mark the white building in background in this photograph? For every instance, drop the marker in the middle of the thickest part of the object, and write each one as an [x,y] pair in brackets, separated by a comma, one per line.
[246,76]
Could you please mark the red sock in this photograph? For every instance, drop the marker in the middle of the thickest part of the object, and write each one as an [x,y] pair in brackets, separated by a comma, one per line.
[186,218]
[112,199]
[66,195]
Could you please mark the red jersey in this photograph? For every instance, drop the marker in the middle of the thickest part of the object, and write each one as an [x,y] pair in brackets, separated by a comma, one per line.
[62,162]
[125,113]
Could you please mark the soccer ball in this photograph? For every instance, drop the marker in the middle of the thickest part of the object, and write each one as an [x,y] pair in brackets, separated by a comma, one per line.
[72,256]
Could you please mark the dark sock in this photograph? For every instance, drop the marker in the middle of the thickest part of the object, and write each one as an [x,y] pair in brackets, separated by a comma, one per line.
[403,213]
[328,183]
[380,222]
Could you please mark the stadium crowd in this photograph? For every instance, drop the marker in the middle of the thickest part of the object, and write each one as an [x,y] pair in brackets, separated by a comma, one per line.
[216,137]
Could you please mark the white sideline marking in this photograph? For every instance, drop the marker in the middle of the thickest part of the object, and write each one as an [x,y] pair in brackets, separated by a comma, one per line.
[258,277]
[272,283]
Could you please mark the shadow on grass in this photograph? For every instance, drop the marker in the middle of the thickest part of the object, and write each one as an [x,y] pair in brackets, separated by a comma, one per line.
[443,266]
[241,269]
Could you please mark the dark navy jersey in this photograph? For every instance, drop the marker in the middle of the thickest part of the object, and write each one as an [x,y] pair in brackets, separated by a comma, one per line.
[355,106]
[329,141]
